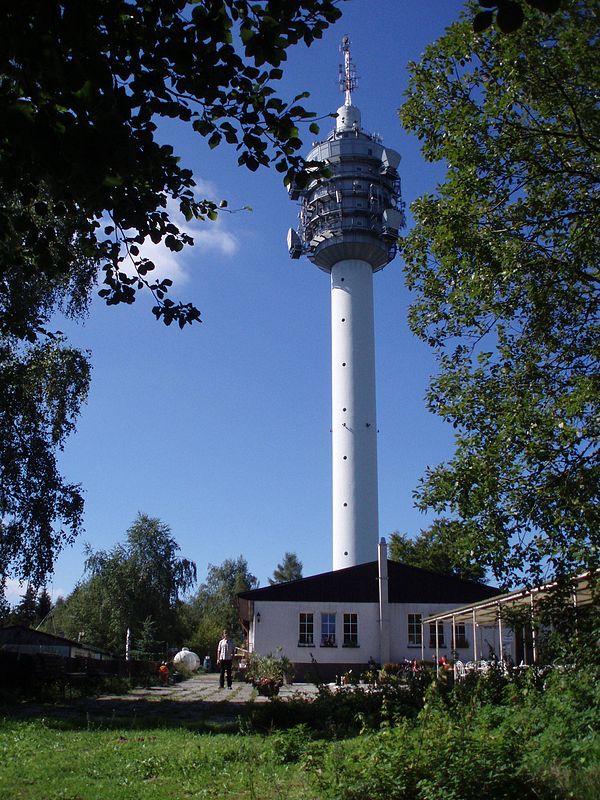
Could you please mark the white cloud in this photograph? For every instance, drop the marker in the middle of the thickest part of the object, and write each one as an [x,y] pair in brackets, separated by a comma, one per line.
[207,189]
[209,238]
[15,590]
[214,237]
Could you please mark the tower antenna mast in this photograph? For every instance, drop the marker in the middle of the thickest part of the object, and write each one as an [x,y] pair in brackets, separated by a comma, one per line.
[347,76]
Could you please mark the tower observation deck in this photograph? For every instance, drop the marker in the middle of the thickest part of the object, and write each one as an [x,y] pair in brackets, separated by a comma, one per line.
[349,226]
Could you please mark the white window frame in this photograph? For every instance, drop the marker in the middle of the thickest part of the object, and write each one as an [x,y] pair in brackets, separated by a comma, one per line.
[328,629]
[350,629]
[415,634]
[460,632]
[306,629]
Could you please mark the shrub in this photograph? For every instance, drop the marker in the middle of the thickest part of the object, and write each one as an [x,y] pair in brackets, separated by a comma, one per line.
[290,745]
[534,737]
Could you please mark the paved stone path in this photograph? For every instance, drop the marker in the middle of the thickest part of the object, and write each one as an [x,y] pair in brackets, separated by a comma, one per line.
[206,688]
[198,699]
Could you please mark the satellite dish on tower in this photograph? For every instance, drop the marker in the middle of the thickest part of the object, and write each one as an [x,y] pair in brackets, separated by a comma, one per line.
[294,244]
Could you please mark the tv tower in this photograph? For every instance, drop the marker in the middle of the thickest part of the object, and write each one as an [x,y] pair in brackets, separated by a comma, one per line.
[349,225]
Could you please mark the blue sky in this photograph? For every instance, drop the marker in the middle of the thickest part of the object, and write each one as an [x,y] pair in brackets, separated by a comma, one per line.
[223,430]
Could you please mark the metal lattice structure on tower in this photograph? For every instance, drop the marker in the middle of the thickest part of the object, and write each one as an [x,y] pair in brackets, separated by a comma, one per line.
[349,226]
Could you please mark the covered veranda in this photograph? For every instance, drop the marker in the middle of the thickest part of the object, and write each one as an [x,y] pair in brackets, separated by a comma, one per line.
[495,613]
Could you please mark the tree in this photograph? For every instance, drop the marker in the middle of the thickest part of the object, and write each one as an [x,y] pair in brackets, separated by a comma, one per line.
[43,383]
[32,608]
[136,585]
[4,609]
[440,548]
[24,613]
[83,87]
[146,645]
[214,608]
[85,179]
[43,606]
[503,261]
[508,14]
[290,569]
[41,390]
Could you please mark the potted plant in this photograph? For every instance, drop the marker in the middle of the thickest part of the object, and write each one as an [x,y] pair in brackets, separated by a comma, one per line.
[268,673]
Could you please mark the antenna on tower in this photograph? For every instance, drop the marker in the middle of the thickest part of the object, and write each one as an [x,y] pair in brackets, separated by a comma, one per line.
[347,75]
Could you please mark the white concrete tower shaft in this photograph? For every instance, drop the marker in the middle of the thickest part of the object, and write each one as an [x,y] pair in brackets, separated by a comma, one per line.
[353,414]
[349,223]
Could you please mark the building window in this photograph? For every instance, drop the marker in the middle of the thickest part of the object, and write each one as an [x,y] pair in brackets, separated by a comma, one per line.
[305,630]
[350,630]
[327,630]
[440,639]
[461,636]
[414,629]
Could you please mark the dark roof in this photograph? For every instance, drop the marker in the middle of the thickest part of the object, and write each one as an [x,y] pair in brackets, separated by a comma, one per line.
[359,584]
[21,634]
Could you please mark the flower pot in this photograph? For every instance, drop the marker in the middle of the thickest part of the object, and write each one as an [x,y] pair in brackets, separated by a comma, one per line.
[268,689]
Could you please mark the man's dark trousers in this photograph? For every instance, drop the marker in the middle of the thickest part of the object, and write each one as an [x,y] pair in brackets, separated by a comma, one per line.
[225,667]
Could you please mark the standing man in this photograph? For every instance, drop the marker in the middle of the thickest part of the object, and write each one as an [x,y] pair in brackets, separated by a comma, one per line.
[225,651]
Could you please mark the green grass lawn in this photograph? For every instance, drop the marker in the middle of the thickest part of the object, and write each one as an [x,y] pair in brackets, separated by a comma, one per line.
[43,761]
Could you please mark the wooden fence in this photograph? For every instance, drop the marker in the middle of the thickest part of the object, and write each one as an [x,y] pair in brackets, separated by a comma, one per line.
[34,674]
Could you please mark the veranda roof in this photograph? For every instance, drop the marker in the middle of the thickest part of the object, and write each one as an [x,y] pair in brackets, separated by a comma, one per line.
[486,612]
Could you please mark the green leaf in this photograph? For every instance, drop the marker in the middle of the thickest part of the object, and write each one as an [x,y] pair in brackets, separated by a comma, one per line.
[112,181]
[482,21]
[509,16]
[547,6]
[246,35]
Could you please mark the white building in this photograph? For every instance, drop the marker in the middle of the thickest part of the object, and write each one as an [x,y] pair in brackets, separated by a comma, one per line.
[344,619]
